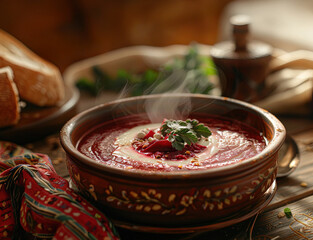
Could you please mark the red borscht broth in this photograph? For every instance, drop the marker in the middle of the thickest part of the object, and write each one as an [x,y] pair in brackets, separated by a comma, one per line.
[133,142]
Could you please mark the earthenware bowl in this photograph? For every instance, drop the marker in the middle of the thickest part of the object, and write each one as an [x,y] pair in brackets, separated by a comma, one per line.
[181,198]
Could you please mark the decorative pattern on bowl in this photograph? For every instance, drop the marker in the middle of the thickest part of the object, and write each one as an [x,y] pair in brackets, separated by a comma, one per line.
[175,199]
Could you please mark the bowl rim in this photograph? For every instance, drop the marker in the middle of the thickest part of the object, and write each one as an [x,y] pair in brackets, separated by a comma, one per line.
[279,134]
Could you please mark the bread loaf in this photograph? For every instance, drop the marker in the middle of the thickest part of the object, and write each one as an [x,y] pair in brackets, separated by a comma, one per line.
[9,98]
[38,81]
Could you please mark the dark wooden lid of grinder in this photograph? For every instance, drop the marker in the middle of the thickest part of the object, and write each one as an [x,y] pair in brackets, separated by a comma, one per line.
[241,47]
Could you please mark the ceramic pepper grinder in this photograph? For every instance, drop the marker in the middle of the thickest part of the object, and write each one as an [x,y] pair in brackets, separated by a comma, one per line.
[242,64]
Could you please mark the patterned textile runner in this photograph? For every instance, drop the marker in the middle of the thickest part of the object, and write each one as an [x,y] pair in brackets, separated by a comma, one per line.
[36,202]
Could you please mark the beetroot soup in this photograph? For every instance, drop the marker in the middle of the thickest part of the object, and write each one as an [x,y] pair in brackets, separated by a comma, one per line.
[133,142]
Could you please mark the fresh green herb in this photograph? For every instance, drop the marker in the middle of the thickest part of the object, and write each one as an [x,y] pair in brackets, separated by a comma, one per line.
[101,79]
[87,85]
[184,132]
[100,82]
[287,212]
[193,68]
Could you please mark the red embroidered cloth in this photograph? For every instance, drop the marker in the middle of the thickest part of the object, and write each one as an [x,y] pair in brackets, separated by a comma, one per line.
[36,202]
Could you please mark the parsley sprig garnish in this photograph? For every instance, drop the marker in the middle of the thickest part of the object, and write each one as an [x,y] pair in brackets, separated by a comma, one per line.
[184,132]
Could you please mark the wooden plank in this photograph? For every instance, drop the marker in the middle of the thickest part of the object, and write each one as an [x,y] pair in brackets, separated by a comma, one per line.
[301,223]
[268,225]
[51,146]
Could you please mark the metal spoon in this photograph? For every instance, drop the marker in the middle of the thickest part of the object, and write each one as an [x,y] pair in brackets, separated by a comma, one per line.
[288,157]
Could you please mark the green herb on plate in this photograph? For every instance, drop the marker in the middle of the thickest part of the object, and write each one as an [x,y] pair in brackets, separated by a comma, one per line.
[193,68]
[87,85]
[100,82]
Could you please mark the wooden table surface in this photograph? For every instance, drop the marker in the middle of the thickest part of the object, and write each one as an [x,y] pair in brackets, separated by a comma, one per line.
[294,191]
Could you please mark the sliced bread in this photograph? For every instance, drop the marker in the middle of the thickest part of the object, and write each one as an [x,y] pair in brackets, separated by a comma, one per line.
[9,98]
[38,81]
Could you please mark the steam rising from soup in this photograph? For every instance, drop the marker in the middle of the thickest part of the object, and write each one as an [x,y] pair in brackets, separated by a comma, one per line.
[164,107]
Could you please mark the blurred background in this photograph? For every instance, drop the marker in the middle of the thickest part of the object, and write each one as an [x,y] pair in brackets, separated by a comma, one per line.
[65,31]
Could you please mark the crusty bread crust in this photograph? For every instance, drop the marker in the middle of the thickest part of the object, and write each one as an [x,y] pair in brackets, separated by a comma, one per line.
[9,99]
[38,81]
